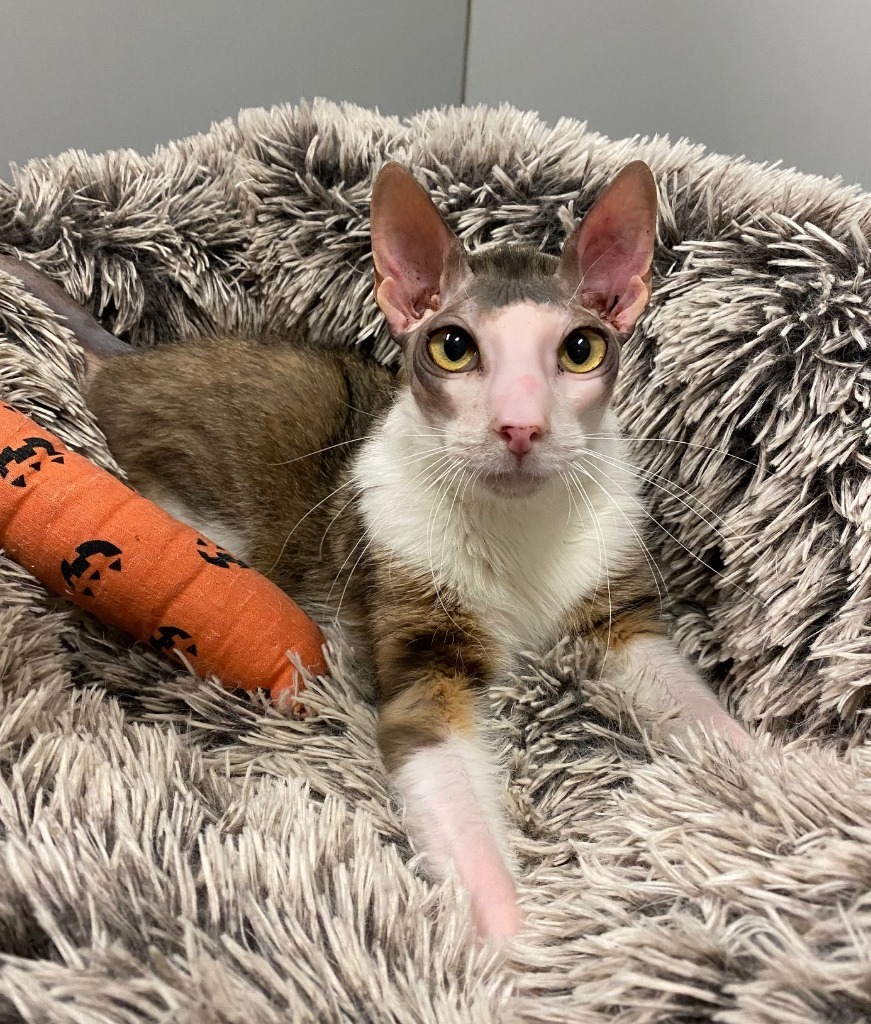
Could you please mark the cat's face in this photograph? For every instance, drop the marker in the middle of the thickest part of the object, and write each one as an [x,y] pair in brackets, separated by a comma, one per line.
[510,355]
[512,393]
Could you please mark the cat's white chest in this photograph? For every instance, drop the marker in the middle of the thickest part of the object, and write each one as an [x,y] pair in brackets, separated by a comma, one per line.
[521,573]
[520,565]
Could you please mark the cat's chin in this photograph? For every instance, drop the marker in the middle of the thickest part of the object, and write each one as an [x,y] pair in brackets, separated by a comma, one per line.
[512,485]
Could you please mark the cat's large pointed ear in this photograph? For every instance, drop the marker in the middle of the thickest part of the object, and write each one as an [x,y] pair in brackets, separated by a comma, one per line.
[607,258]
[417,256]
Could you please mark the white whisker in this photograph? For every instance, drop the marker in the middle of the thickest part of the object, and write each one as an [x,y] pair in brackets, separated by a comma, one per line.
[323,501]
[350,501]
[655,571]
[299,521]
[432,522]
[351,573]
[646,475]
[318,451]
[603,557]
[689,444]
[677,540]
[366,548]
[583,276]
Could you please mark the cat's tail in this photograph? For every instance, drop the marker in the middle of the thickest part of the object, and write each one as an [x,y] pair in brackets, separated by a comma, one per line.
[98,344]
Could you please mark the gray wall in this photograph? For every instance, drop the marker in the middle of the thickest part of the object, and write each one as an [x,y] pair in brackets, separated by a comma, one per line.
[772,79]
[100,74]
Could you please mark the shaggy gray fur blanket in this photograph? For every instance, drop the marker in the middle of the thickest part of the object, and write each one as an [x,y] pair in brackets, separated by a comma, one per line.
[170,852]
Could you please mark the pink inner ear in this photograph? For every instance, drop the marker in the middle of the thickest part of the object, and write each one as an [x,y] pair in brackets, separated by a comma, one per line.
[411,245]
[608,257]
[612,257]
[400,307]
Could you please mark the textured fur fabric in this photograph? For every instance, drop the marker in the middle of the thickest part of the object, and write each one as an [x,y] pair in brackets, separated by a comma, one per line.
[173,852]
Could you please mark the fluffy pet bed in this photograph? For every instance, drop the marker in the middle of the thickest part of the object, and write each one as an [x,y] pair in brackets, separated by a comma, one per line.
[172,852]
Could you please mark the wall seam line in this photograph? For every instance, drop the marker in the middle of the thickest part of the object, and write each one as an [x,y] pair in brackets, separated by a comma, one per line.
[466,33]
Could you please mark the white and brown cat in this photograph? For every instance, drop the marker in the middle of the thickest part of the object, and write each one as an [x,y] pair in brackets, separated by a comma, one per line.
[480,503]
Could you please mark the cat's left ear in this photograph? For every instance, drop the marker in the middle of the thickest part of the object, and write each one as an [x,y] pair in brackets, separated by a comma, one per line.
[608,257]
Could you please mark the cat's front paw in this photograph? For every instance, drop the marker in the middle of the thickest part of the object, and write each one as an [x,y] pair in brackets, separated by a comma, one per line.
[721,723]
[495,910]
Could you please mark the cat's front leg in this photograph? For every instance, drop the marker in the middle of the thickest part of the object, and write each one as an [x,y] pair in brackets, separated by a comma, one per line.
[453,811]
[431,664]
[650,669]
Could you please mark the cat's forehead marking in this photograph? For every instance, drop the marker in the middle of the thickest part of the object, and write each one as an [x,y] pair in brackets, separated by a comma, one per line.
[507,275]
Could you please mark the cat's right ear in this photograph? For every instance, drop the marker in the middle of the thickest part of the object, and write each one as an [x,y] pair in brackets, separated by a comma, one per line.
[417,256]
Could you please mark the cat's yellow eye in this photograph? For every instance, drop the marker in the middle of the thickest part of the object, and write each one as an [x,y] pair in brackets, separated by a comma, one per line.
[582,351]
[452,348]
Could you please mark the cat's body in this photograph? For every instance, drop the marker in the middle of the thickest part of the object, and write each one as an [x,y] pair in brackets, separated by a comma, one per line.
[479,504]
[252,442]
[324,480]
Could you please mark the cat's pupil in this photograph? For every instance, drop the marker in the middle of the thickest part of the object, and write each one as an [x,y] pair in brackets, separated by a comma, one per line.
[456,344]
[578,348]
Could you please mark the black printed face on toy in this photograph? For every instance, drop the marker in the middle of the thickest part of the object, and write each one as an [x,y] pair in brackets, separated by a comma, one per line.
[94,558]
[169,640]
[214,555]
[27,459]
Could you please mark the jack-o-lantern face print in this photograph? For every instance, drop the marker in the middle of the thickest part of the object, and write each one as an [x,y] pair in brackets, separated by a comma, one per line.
[19,463]
[215,555]
[169,640]
[93,559]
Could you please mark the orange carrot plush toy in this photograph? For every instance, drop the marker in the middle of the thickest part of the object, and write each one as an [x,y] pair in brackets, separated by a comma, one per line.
[93,540]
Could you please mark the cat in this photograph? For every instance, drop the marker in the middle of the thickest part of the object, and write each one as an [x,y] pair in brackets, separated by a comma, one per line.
[479,502]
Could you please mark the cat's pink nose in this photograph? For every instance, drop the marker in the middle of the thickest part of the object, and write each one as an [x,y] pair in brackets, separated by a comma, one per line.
[519,439]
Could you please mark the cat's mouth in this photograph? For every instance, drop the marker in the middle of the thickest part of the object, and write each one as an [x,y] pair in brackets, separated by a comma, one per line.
[512,483]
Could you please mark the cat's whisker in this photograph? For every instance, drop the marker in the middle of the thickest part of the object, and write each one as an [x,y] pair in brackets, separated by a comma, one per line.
[434,516]
[340,444]
[433,473]
[620,463]
[357,563]
[583,276]
[603,557]
[564,479]
[432,459]
[689,444]
[581,518]
[463,473]
[351,573]
[655,571]
[722,537]
[646,473]
[363,412]
[473,478]
[421,456]
[350,501]
[446,467]
[427,435]
[599,539]
[319,451]
[354,440]
[449,486]
[457,494]
[677,540]
[338,575]
[324,500]
[302,519]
